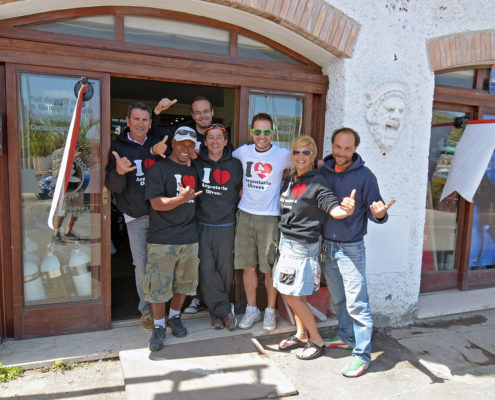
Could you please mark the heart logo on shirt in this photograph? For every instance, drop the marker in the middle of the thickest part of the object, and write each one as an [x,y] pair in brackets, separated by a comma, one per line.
[263,170]
[222,177]
[298,189]
[188,180]
[148,163]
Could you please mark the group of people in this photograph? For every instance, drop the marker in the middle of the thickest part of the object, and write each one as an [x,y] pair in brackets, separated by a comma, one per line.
[196,209]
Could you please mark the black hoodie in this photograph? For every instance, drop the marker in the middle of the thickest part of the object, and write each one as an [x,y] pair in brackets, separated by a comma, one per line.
[220,181]
[304,206]
[128,189]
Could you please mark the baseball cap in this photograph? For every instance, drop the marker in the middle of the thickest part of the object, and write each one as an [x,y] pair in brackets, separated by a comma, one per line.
[185,133]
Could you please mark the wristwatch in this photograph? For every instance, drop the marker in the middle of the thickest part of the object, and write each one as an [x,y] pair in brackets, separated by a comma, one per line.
[152,152]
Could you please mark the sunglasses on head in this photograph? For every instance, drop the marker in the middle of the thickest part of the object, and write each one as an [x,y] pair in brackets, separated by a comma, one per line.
[264,132]
[304,152]
[215,126]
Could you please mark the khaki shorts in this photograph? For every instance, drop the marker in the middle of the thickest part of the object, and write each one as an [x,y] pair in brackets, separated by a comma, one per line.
[170,269]
[256,241]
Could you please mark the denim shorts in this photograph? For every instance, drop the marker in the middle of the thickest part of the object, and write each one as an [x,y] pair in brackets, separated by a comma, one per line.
[297,270]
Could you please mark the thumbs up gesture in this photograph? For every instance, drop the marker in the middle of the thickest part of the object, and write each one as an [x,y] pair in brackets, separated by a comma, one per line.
[348,203]
[122,164]
[161,147]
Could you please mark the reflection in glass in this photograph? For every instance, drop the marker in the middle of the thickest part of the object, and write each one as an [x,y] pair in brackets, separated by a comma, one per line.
[441,216]
[286,111]
[51,274]
[251,48]
[463,79]
[100,27]
[176,34]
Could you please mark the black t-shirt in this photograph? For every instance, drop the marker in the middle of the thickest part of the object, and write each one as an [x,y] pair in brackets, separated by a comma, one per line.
[176,226]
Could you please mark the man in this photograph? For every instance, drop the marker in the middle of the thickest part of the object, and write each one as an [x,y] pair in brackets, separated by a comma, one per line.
[131,155]
[172,268]
[220,178]
[257,231]
[344,253]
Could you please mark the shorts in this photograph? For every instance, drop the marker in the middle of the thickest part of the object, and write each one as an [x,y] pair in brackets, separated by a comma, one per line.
[256,241]
[297,270]
[171,268]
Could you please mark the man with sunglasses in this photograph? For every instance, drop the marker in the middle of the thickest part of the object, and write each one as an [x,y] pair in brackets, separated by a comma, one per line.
[220,180]
[172,268]
[343,248]
[257,232]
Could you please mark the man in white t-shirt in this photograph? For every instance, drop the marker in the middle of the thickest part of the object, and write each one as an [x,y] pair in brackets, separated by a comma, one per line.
[257,232]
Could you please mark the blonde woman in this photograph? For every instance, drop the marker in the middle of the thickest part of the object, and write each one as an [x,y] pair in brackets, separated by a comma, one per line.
[305,203]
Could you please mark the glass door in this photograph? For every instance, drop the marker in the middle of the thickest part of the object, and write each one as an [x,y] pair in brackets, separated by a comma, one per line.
[63,270]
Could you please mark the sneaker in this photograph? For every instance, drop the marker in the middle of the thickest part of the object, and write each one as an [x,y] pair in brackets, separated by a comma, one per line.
[250,317]
[157,338]
[355,368]
[337,343]
[270,319]
[147,321]
[194,307]
[216,322]
[230,321]
[178,330]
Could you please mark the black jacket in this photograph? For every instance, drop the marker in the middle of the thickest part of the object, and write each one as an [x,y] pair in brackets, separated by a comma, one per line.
[128,189]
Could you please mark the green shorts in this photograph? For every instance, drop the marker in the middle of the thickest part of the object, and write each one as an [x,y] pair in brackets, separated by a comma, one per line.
[256,241]
[170,269]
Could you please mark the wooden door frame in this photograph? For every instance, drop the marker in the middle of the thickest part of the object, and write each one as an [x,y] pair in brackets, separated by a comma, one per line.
[35,321]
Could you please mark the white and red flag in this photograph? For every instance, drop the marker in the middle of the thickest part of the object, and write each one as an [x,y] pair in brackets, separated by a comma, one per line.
[67,159]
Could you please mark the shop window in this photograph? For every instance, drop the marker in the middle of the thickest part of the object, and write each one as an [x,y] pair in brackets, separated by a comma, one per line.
[462,79]
[99,27]
[251,48]
[176,34]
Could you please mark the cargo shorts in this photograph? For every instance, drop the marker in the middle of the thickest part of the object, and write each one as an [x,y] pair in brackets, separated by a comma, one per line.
[171,268]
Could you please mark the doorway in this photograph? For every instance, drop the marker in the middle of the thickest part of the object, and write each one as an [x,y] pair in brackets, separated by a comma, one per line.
[123,92]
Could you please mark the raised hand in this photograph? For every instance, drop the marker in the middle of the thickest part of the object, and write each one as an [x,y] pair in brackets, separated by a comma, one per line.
[122,164]
[164,104]
[161,147]
[187,193]
[348,203]
[378,209]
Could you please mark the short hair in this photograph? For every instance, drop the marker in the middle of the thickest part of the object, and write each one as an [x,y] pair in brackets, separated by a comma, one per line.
[303,141]
[261,117]
[138,105]
[212,127]
[344,129]
[201,98]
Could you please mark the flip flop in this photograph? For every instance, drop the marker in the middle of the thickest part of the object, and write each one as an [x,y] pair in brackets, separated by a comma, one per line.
[316,354]
[293,338]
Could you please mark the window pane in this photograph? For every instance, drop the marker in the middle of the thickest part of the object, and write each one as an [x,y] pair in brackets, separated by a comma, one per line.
[250,48]
[464,79]
[286,112]
[176,34]
[100,27]
[441,216]
[64,265]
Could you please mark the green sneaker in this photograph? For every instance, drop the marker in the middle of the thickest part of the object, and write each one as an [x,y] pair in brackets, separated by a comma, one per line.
[337,343]
[355,368]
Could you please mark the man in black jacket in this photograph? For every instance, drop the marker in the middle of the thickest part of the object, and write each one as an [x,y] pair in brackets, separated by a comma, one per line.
[220,180]
[131,156]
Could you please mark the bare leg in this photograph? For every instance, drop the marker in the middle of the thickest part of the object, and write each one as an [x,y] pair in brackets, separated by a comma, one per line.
[271,292]
[59,220]
[177,301]
[158,310]
[250,280]
[70,224]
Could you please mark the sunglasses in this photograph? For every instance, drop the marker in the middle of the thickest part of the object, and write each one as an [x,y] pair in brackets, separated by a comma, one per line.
[215,126]
[304,152]
[185,132]
[264,132]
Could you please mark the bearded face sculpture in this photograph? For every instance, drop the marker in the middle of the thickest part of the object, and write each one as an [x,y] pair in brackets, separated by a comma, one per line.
[386,105]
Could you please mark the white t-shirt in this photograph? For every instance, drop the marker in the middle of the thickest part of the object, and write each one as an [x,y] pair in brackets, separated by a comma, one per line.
[262,178]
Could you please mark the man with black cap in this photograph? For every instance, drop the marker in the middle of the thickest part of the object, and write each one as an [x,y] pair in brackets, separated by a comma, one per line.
[172,268]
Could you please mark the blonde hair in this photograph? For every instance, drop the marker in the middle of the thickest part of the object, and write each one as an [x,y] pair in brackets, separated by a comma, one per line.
[303,141]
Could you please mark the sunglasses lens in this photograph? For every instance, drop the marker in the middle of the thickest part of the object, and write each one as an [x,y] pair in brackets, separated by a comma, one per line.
[306,153]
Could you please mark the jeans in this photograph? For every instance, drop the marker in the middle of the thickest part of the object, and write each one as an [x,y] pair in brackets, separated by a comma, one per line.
[345,273]
[137,230]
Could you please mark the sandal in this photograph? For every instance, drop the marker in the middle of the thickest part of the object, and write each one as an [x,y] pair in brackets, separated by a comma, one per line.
[316,354]
[293,338]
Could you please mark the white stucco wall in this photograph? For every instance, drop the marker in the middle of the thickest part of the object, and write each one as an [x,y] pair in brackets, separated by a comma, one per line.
[392,45]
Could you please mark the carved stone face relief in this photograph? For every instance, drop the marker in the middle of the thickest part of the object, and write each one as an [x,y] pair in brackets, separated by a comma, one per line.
[386,104]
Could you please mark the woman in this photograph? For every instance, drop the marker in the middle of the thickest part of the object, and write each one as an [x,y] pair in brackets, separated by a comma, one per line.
[305,203]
